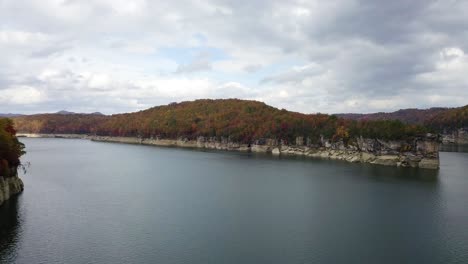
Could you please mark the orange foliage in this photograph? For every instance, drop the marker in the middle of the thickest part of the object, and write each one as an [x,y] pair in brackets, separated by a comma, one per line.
[238,120]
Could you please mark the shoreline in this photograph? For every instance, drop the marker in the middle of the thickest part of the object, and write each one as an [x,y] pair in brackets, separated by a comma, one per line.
[424,154]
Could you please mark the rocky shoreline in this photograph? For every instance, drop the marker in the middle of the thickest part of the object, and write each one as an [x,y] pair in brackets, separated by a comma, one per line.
[420,152]
[456,137]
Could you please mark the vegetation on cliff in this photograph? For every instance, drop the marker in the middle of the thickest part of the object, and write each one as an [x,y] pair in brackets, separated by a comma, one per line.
[238,120]
[440,120]
[10,148]
[449,120]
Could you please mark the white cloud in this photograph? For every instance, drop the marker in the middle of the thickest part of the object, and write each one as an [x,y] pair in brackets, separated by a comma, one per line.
[449,71]
[297,74]
[202,62]
[14,37]
[20,95]
[326,56]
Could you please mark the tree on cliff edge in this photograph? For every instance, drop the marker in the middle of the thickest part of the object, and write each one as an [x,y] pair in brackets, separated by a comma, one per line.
[10,148]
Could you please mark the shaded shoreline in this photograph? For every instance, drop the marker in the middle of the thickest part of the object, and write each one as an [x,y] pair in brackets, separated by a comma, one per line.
[387,153]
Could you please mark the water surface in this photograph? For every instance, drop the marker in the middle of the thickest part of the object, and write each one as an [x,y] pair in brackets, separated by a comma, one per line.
[92,202]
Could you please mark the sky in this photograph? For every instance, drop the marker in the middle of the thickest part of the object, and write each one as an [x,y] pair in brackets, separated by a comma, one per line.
[332,56]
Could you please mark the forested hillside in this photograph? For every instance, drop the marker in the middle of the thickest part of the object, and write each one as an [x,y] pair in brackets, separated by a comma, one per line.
[59,123]
[410,116]
[449,120]
[440,120]
[238,120]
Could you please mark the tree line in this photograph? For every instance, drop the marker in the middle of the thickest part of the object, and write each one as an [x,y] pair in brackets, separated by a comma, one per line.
[449,120]
[239,120]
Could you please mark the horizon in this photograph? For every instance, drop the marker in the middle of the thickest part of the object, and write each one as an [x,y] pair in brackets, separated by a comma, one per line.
[336,57]
[68,111]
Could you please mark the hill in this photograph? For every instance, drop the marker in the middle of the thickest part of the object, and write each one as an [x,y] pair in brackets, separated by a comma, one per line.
[410,116]
[437,119]
[58,123]
[9,115]
[65,112]
[238,120]
[449,120]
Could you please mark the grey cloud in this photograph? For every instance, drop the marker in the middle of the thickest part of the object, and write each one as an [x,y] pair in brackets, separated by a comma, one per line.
[202,62]
[396,29]
[252,68]
[295,75]
[49,51]
[390,22]
[364,49]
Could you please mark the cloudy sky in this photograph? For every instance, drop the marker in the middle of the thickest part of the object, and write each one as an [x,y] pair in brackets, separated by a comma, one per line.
[310,56]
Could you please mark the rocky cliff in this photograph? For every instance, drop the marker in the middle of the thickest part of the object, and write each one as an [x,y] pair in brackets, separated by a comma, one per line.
[10,186]
[459,136]
[10,152]
[422,152]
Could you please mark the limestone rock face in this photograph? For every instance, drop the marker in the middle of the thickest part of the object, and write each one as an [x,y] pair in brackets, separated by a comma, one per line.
[367,157]
[420,151]
[429,163]
[354,159]
[275,151]
[459,136]
[299,141]
[10,186]
[388,160]
[260,148]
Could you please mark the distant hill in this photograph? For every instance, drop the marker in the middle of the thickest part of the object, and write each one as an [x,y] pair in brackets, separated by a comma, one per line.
[449,120]
[238,120]
[58,123]
[410,116]
[9,115]
[438,119]
[64,112]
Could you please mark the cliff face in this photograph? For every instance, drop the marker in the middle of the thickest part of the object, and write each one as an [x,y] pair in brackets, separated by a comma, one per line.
[10,186]
[459,136]
[10,152]
[419,152]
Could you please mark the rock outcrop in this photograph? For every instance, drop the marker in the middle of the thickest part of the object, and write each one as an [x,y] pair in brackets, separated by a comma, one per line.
[422,152]
[10,186]
[459,136]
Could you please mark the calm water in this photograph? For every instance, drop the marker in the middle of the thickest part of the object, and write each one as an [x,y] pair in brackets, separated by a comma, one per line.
[89,202]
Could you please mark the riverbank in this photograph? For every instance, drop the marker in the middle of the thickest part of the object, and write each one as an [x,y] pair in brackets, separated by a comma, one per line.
[422,152]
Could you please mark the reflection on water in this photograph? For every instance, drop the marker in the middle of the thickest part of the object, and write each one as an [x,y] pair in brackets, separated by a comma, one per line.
[453,148]
[404,174]
[376,172]
[9,229]
[92,202]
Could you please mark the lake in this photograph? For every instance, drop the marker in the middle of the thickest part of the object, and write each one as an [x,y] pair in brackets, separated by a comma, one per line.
[93,202]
